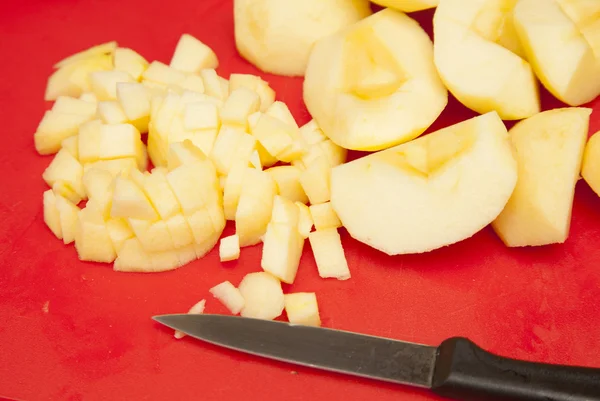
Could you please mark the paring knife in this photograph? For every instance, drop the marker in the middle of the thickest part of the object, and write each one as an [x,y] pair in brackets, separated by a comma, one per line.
[457,369]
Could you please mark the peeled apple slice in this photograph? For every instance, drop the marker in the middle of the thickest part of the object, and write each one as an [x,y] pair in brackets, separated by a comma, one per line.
[561,39]
[549,148]
[277,35]
[428,193]
[408,6]
[478,55]
[373,85]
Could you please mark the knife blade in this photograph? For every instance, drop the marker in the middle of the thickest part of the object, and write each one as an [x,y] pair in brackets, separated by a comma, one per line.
[457,368]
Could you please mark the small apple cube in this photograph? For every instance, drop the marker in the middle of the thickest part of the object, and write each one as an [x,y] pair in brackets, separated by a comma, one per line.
[65,190]
[193,83]
[329,254]
[121,141]
[159,193]
[201,116]
[212,84]
[277,137]
[197,309]
[71,145]
[282,249]
[119,232]
[104,83]
[324,216]
[98,185]
[239,105]
[135,101]
[195,186]
[129,201]
[180,231]
[184,153]
[229,249]
[129,61]
[255,206]
[54,128]
[161,73]
[284,211]
[89,141]
[111,112]
[229,296]
[256,84]
[305,222]
[231,145]
[191,55]
[69,218]
[280,111]
[204,140]
[590,170]
[263,296]
[92,239]
[288,182]
[302,308]
[154,236]
[316,181]
[64,167]
[51,214]
[71,105]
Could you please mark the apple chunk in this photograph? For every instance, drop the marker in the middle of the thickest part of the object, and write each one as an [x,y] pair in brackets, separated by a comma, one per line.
[229,296]
[478,56]
[263,296]
[459,178]
[302,308]
[590,170]
[549,148]
[561,39]
[374,84]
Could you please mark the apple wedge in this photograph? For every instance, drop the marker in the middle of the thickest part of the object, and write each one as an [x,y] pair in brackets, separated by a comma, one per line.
[479,58]
[374,85]
[561,39]
[278,35]
[428,193]
[549,148]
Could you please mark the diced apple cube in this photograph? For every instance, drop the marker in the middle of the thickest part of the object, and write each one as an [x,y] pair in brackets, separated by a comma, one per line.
[104,83]
[66,191]
[154,236]
[278,138]
[204,140]
[191,55]
[71,105]
[305,222]
[92,239]
[288,182]
[180,231]
[229,249]
[239,105]
[324,216]
[120,141]
[99,50]
[284,211]
[98,185]
[232,144]
[51,214]
[89,141]
[255,206]
[54,128]
[212,84]
[130,61]
[119,232]
[111,112]
[193,83]
[69,216]
[256,84]
[71,145]
[197,309]
[135,102]
[282,249]
[302,308]
[329,254]
[280,111]
[229,296]
[163,74]
[64,167]
[194,186]
[159,193]
[129,201]
[263,296]
[316,181]
[200,116]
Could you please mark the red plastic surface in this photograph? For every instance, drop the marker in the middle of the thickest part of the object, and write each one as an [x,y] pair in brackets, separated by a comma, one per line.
[79,331]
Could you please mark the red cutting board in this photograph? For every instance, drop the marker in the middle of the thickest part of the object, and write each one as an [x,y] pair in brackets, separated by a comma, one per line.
[79,331]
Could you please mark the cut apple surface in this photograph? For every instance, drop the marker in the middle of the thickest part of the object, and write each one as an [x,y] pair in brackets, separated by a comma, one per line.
[561,39]
[549,148]
[374,84]
[277,35]
[460,177]
[479,58]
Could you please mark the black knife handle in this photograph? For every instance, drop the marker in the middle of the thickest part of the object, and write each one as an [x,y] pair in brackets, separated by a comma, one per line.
[463,371]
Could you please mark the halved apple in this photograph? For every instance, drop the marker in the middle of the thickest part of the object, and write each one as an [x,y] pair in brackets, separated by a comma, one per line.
[478,56]
[428,193]
[561,39]
[549,148]
[374,85]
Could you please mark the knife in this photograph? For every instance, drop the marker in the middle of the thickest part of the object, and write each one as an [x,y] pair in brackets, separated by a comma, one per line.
[457,369]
